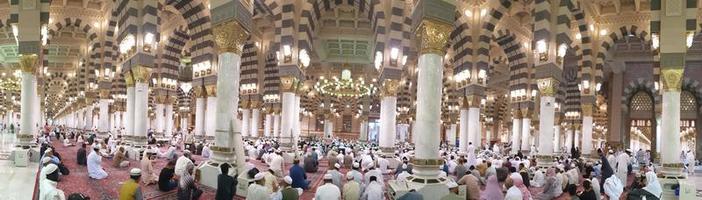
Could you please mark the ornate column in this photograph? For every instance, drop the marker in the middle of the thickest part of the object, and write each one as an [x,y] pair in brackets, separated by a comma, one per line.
[229,37]
[587,146]
[104,123]
[288,86]
[129,117]
[451,134]
[474,129]
[463,129]
[211,112]
[526,130]
[328,126]
[433,35]
[388,112]
[363,134]
[28,65]
[267,125]
[158,110]
[547,126]
[255,119]
[245,117]
[141,103]
[168,131]
[516,130]
[199,130]
[276,125]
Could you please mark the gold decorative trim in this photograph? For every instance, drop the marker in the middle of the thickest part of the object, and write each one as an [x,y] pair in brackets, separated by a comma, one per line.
[389,88]
[222,149]
[587,110]
[525,112]
[427,162]
[141,74]
[211,90]
[471,101]
[28,63]
[288,83]
[672,79]
[516,114]
[104,93]
[129,79]
[229,37]
[548,86]
[199,91]
[433,36]
[673,165]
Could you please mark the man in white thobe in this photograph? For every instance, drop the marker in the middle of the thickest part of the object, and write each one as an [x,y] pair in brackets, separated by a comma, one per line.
[258,190]
[328,191]
[276,163]
[94,168]
[471,155]
[374,190]
[621,171]
[182,163]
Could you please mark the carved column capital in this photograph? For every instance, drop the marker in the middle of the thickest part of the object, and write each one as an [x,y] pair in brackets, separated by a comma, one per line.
[229,36]
[471,101]
[28,63]
[433,36]
[211,90]
[587,110]
[548,86]
[288,83]
[141,74]
[389,87]
[199,91]
[672,79]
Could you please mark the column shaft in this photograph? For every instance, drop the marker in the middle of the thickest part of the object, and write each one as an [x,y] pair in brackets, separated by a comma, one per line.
[474,126]
[276,125]
[428,115]
[587,145]
[245,117]
[526,134]
[546,125]
[210,117]
[199,116]
[141,114]
[168,131]
[516,132]
[287,119]
[267,125]
[463,130]
[129,118]
[160,120]
[388,109]
[255,117]
[26,109]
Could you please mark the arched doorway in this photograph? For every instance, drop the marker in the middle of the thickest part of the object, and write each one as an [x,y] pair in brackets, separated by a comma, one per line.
[643,123]
[688,119]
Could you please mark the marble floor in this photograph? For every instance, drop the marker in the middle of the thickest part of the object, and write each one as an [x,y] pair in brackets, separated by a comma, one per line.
[17,182]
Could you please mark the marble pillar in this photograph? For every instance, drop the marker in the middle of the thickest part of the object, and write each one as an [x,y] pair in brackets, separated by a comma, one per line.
[296,115]
[28,64]
[388,110]
[104,123]
[287,120]
[587,146]
[547,111]
[556,138]
[129,117]
[211,113]
[463,130]
[267,125]
[168,131]
[328,127]
[255,119]
[526,134]
[428,113]
[141,104]
[276,125]
[160,120]
[670,126]
[245,118]
[363,134]
[199,129]
[516,132]
[451,135]
[474,129]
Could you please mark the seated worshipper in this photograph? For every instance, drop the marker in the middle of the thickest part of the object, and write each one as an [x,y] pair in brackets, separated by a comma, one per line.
[310,164]
[206,152]
[183,162]
[472,186]
[372,171]
[404,166]
[453,192]
[538,178]
[47,187]
[383,165]
[348,160]
[170,154]
[493,190]
[552,186]
[357,175]
[288,192]
[226,184]
[352,188]
[518,183]
[374,189]
[166,182]
[299,178]
[412,194]
[257,190]
[67,143]
[588,192]
[94,168]
[613,187]
[328,190]
[572,192]
[460,169]
[120,161]
[130,189]
[271,180]
[652,184]
[638,192]
[402,177]
[187,190]
[149,176]
[81,155]
[595,183]
[336,175]
[276,163]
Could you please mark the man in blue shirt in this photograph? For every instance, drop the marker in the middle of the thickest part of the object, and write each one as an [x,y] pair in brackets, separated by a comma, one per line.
[299,178]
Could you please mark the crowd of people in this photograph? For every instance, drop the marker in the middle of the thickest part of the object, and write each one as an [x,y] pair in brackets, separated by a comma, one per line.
[355,170]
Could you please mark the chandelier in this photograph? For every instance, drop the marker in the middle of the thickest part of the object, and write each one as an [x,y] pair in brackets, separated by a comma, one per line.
[10,84]
[344,87]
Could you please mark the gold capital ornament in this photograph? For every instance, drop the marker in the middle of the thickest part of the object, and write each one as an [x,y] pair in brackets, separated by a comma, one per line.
[199,91]
[230,36]
[548,86]
[433,35]
[141,74]
[587,110]
[288,83]
[211,90]
[471,101]
[104,93]
[516,114]
[389,87]
[672,79]
[129,79]
[28,63]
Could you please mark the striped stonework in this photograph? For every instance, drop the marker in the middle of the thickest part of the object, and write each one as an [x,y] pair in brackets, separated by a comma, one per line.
[519,70]
[172,53]
[197,15]
[607,43]
[250,70]
[271,80]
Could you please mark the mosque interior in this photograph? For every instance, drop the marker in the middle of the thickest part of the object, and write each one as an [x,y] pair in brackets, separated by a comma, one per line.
[541,78]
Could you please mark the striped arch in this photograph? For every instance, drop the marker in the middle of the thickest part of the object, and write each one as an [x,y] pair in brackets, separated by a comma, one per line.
[572,93]
[172,52]
[517,60]
[608,43]
[693,86]
[75,22]
[584,49]
[497,10]
[639,85]
[249,69]
[462,45]
[184,99]
[197,15]
[93,62]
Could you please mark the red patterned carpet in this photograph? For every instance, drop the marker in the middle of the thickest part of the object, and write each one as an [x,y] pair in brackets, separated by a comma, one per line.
[108,189]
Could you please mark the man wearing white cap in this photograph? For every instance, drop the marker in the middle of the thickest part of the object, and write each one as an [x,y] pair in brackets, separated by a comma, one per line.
[453,192]
[288,192]
[47,187]
[372,171]
[352,188]
[328,191]
[621,166]
[374,189]
[276,163]
[94,168]
[336,175]
[130,189]
[258,191]
[183,162]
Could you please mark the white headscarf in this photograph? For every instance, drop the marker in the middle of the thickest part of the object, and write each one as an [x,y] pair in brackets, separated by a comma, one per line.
[653,186]
[613,187]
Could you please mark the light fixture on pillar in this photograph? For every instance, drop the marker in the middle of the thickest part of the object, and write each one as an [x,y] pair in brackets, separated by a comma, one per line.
[689,38]
[482,76]
[15,33]
[44,35]
[562,49]
[542,50]
[287,53]
[149,42]
[655,41]
[404,60]
[598,87]
[394,55]
[304,58]
[126,45]
[462,76]
[378,59]
[584,87]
